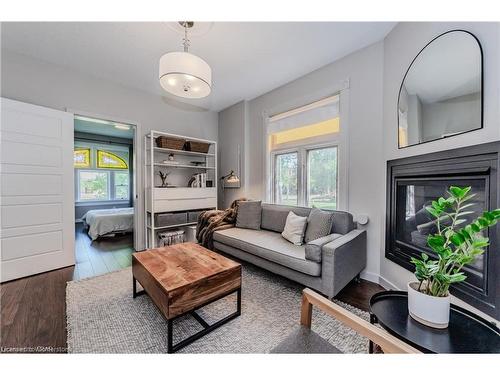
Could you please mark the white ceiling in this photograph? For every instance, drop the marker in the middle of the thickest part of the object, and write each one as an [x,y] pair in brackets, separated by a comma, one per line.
[247,59]
[103,127]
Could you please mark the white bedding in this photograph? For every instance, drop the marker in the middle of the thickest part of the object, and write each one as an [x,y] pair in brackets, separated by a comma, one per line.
[101,222]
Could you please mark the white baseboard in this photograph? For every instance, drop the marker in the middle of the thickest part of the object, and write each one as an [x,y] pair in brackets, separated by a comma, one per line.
[387,284]
[376,278]
[369,276]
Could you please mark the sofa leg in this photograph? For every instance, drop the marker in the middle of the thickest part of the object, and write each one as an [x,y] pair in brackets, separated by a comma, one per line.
[357,278]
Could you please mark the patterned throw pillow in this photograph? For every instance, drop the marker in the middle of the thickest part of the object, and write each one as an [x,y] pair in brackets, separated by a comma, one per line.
[319,224]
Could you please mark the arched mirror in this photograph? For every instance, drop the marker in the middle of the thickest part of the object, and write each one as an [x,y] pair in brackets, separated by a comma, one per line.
[441,94]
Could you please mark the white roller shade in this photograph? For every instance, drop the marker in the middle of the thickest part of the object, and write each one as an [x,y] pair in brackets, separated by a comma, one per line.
[321,110]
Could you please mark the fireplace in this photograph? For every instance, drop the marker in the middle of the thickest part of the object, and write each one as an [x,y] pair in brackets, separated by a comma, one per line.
[415,182]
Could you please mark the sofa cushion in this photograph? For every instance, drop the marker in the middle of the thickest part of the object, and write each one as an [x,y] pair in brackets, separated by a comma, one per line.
[269,245]
[274,216]
[314,248]
[249,214]
[295,228]
[319,224]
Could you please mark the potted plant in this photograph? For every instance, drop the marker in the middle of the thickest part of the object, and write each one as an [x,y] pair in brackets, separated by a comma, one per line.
[456,244]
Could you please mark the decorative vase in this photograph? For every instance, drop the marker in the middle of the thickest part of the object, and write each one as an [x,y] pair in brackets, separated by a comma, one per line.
[429,310]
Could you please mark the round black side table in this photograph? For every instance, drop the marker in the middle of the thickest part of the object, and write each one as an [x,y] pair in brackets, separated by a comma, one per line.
[466,333]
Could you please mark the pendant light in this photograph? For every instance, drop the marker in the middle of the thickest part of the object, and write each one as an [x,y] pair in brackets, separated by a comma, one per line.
[184,74]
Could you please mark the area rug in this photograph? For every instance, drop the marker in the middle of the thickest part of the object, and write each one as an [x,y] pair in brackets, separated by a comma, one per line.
[102,317]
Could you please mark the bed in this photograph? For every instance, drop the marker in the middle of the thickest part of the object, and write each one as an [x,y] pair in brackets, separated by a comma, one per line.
[109,221]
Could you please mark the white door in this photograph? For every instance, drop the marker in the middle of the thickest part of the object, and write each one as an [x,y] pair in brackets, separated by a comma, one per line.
[36,190]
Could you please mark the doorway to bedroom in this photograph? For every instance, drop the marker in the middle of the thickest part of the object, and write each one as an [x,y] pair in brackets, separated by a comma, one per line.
[104,176]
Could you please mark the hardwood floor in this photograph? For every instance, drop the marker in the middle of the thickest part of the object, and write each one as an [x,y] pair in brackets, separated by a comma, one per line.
[33,309]
[102,256]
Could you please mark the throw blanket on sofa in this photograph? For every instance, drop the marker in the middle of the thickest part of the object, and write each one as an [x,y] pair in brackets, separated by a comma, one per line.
[210,221]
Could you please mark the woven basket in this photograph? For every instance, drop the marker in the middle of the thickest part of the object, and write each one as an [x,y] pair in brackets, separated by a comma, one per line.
[172,143]
[197,146]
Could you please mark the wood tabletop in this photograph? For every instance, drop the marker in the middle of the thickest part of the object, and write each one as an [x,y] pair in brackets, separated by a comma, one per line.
[183,264]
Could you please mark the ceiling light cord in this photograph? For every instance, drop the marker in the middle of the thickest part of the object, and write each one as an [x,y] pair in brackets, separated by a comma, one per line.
[185,41]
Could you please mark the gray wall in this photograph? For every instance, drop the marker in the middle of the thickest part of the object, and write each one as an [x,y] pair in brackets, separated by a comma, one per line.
[400,47]
[364,71]
[37,82]
[232,149]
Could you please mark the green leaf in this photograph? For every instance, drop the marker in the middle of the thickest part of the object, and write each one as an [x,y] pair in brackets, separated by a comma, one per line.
[466,190]
[432,211]
[464,232]
[457,239]
[479,244]
[456,278]
[457,192]
[488,215]
[484,222]
[475,228]
[435,240]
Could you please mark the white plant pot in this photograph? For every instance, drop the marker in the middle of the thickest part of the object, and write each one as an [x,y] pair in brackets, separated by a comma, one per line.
[429,310]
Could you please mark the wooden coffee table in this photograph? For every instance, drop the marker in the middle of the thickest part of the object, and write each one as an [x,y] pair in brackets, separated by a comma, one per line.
[182,278]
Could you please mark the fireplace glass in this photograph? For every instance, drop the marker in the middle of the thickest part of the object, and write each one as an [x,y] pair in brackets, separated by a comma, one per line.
[414,223]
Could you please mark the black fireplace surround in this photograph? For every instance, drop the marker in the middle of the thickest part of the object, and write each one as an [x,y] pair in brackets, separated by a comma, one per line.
[412,183]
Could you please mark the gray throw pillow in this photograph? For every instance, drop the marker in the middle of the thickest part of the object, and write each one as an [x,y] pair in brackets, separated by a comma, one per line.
[249,214]
[319,224]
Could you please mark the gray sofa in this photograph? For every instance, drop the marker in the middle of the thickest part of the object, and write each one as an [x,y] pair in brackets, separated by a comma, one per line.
[331,263]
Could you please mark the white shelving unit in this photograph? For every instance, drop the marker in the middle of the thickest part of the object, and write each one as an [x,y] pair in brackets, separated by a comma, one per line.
[179,198]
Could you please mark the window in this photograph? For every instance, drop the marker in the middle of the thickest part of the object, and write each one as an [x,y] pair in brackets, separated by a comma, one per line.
[322,178]
[106,159]
[304,146]
[121,183]
[93,185]
[102,172]
[286,181]
[314,185]
[82,158]
[96,185]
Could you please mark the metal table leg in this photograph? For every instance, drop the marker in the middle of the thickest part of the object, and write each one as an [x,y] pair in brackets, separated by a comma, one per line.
[207,328]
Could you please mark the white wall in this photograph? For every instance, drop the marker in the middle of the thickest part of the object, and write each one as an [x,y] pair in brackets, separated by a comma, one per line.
[375,74]
[400,47]
[49,85]
[363,69]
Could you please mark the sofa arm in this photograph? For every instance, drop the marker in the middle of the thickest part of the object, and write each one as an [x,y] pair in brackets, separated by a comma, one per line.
[343,259]
[314,248]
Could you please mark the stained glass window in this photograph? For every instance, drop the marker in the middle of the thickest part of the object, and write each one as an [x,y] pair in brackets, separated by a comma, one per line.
[81,158]
[106,159]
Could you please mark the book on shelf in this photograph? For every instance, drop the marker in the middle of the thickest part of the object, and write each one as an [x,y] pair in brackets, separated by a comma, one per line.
[200,180]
